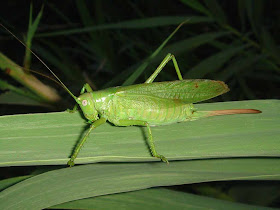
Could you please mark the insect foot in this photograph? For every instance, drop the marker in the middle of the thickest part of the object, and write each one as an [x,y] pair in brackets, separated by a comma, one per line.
[71,163]
[163,158]
[71,110]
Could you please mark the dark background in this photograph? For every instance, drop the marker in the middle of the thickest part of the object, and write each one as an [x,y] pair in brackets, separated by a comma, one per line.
[246,56]
[108,57]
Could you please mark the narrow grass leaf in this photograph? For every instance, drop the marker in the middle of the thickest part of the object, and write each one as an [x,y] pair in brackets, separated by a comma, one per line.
[12,181]
[45,92]
[153,199]
[270,45]
[58,58]
[142,199]
[214,62]
[242,13]
[18,91]
[175,48]
[130,80]
[84,12]
[216,11]
[196,5]
[32,27]
[242,64]
[191,43]
[14,98]
[48,139]
[133,24]
[255,15]
[63,185]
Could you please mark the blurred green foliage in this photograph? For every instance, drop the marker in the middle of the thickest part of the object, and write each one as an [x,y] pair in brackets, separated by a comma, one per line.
[104,42]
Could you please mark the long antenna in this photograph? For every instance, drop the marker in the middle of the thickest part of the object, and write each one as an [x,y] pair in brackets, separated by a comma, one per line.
[64,86]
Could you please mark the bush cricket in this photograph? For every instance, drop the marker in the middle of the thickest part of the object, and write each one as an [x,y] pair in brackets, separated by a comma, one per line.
[148,104]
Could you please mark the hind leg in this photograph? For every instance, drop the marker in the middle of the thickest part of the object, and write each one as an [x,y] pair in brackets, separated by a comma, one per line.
[162,65]
[150,136]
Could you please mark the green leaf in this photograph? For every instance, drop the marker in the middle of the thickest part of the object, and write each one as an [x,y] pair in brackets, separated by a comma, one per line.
[57,57]
[242,13]
[175,48]
[257,193]
[216,11]
[142,199]
[16,92]
[48,139]
[63,185]
[45,92]
[130,80]
[242,63]
[11,181]
[32,27]
[15,98]
[255,15]
[214,62]
[197,6]
[100,42]
[270,45]
[192,43]
[153,199]
[133,24]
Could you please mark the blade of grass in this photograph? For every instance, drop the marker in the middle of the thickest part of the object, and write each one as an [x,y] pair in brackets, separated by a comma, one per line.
[159,198]
[133,24]
[130,80]
[48,139]
[6,86]
[191,43]
[61,60]
[196,5]
[100,40]
[255,15]
[242,63]
[242,14]
[31,82]
[13,98]
[270,45]
[32,27]
[175,48]
[153,199]
[63,185]
[214,62]
[216,11]
[12,181]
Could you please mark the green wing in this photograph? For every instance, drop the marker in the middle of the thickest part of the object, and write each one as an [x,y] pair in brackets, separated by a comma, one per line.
[187,91]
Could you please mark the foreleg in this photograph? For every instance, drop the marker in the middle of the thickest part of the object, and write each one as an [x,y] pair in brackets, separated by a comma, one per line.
[81,143]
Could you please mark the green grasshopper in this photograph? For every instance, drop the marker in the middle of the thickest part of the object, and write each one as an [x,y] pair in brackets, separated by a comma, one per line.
[148,104]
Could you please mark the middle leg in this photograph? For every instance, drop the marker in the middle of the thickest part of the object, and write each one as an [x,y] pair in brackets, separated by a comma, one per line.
[81,143]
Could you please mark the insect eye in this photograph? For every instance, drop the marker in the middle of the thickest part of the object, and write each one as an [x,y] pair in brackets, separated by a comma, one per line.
[84,102]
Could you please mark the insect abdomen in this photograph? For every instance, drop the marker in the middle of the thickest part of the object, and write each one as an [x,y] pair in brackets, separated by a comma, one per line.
[153,110]
[166,113]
